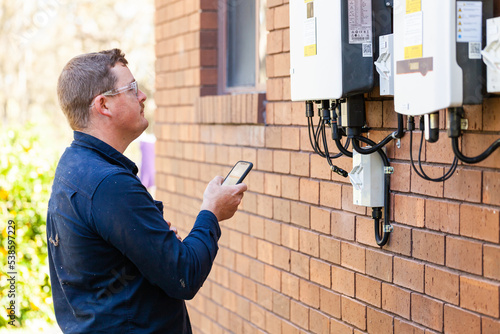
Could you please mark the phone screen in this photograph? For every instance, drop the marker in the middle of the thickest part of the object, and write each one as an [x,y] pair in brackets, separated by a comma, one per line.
[238,173]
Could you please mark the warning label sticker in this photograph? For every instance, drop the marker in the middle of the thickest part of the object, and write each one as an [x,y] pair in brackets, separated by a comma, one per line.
[360,21]
[469,16]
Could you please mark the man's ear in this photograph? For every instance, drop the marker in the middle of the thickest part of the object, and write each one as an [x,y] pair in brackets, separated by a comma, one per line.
[101,107]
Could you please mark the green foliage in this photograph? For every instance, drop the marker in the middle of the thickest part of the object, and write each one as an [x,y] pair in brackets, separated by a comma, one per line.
[26,174]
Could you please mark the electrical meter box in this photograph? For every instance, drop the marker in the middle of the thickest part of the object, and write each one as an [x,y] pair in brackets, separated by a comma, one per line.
[427,76]
[331,47]
[367,179]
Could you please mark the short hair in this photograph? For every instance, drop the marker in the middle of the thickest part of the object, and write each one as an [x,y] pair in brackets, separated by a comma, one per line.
[83,78]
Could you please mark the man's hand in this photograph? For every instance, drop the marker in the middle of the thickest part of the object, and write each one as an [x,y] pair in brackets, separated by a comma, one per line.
[221,200]
[174,229]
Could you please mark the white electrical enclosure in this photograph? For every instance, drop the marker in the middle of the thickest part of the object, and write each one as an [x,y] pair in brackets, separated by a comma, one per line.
[427,76]
[385,64]
[367,179]
[491,55]
[315,50]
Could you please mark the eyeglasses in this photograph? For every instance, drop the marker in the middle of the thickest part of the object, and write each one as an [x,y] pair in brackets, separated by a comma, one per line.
[115,91]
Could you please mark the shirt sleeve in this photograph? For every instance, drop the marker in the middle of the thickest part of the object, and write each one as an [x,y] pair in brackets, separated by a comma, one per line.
[125,215]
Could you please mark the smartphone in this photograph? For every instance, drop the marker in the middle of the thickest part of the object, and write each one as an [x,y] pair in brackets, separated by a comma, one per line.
[237,173]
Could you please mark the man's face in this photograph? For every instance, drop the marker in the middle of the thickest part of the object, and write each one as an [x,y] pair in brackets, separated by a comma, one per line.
[127,107]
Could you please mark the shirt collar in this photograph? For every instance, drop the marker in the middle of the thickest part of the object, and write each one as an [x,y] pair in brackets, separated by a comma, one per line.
[91,142]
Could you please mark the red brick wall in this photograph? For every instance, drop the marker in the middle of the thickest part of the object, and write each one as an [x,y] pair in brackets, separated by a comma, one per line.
[298,256]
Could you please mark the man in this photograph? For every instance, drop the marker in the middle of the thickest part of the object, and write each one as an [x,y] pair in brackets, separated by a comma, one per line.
[116,265]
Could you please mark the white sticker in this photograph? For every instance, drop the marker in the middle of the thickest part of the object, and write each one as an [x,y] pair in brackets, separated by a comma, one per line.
[360,21]
[367,50]
[474,50]
[413,29]
[469,17]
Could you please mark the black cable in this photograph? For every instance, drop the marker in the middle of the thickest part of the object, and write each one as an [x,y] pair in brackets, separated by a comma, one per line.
[396,134]
[476,159]
[422,173]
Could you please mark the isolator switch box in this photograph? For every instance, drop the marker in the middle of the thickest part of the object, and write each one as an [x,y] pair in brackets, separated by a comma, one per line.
[491,55]
[385,65]
[367,179]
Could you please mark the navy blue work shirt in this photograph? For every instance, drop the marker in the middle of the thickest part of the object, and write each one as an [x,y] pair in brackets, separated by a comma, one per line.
[115,266]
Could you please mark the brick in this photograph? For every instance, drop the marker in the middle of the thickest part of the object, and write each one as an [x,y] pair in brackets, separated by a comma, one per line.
[265,251]
[265,206]
[273,137]
[457,320]
[309,191]
[369,290]
[281,257]
[290,237]
[300,214]
[378,322]
[329,302]
[353,257]
[396,300]
[330,195]
[281,17]
[320,272]
[374,114]
[401,326]
[320,220]
[491,121]
[409,274]
[427,311]
[270,19]
[343,225]
[442,284]
[281,305]
[479,296]
[282,113]
[274,89]
[491,259]
[338,327]
[379,265]
[343,281]
[424,187]
[409,210]
[264,160]
[320,168]
[364,231]
[400,240]
[299,264]
[290,187]
[289,328]
[282,64]
[490,326]
[290,138]
[286,40]
[273,323]
[347,203]
[281,162]
[465,185]
[264,296]
[319,323]
[329,249]
[309,243]
[281,209]
[299,314]
[299,163]
[354,313]
[442,216]
[290,285]
[480,223]
[428,246]
[274,42]
[464,255]
[491,188]
[400,180]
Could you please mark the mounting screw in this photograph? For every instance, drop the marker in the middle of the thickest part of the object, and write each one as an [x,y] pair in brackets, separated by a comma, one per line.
[388,228]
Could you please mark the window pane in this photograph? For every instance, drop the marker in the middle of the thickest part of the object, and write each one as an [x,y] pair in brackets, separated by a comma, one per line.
[240,43]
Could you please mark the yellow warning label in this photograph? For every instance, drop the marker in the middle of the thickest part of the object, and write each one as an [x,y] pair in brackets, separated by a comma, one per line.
[414,51]
[413,6]
[310,50]
[306,1]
